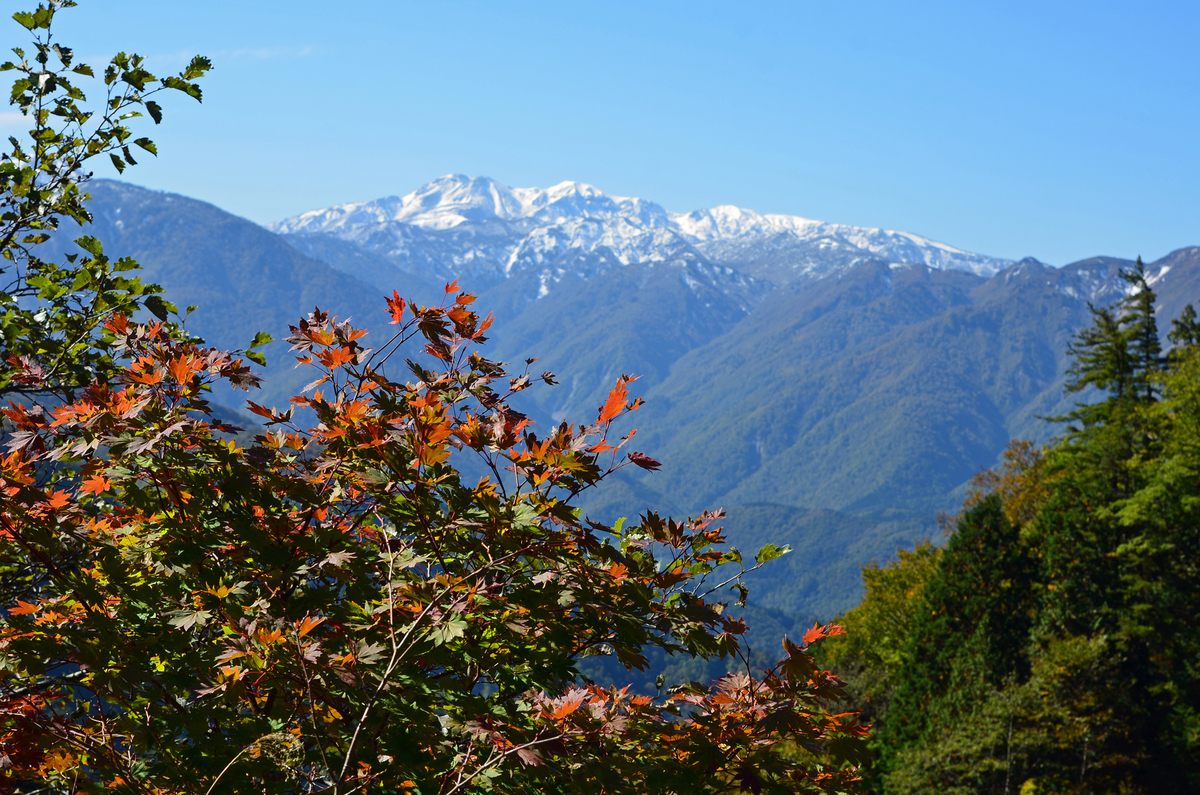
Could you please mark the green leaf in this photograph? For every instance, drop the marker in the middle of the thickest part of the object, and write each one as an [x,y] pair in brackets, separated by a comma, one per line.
[155,111]
[186,619]
[447,631]
[196,68]
[770,552]
[148,145]
[91,245]
[260,339]
[158,307]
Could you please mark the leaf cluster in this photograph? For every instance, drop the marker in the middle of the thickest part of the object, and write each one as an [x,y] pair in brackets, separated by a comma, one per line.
[333,609]
[52,313]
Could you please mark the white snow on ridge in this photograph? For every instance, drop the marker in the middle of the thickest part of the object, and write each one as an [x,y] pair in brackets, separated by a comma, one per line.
[452,200]
[540,223]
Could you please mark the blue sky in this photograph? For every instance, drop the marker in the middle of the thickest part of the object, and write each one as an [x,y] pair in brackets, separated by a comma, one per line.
[1056,130]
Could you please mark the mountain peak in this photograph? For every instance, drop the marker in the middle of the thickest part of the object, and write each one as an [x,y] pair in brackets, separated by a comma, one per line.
[546,223]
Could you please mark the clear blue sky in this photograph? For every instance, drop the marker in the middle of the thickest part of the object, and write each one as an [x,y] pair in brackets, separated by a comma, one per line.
[1058,130]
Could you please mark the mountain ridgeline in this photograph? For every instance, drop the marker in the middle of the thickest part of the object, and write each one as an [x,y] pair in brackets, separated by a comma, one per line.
[832,387]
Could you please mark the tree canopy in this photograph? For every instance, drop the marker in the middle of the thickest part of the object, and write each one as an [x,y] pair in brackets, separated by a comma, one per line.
[1051,646]
[334,606]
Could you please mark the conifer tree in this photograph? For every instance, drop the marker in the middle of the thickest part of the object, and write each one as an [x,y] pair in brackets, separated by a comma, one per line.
[971,635]
[1139,326]
[1185,330]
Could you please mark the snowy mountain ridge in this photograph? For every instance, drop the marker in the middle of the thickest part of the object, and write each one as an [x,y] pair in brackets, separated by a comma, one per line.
[460,225]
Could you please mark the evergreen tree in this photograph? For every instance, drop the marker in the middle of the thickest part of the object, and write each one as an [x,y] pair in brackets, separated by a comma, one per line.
[969,639]
[1185,331]
[1140,328]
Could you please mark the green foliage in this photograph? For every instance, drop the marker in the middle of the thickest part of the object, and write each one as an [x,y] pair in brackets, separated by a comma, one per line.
[1185,329]
[872,652]
[52,314]
[1058,732]
[1054,646]
[971,631]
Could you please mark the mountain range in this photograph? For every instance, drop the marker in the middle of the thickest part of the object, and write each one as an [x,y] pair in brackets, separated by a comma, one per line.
[831,386]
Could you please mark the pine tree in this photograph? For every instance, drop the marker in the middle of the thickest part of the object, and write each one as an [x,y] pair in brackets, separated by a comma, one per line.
[970,636]
[1140,328]
[1185,331]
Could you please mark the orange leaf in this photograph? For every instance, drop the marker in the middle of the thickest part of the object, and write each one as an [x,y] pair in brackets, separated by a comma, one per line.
[261,411]
[617,401]
[452,286]
[23,608]
[336,357]
[149,378]
[569,705]
[183,368]
[97,484]
[308,625]
[267,638]
[816,633]
[58,499]
[395,307]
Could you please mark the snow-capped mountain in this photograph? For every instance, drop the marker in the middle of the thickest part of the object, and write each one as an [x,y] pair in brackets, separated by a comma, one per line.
[458,226]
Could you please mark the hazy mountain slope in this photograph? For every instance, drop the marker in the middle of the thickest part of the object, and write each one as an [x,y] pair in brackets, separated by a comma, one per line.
[638,319]
[242,278]
[371,269]
[883,388]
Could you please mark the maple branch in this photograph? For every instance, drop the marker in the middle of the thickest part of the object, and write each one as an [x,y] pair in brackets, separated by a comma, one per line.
[398,656]
[495,760]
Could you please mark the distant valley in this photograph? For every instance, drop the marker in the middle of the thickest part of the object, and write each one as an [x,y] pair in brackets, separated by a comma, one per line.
[831,386]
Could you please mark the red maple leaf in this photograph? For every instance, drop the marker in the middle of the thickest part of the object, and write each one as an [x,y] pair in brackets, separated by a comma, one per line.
[813,635]
[96,484]
[58,499]
[396,307]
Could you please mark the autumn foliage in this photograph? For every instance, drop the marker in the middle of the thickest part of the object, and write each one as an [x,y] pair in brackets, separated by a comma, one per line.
[334,607]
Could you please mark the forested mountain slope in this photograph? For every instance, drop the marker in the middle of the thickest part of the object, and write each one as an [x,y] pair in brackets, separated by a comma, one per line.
[795,375]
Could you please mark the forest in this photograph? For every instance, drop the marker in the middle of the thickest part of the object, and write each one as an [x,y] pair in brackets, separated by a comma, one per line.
[389,585]
[1051,644]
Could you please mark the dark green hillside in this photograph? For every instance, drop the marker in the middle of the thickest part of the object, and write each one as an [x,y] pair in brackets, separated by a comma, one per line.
[821,575]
